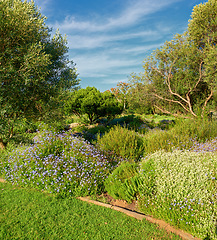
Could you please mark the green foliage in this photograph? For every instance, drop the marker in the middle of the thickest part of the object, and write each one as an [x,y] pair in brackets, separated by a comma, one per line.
[130,121]
[34,68]
[92,103]
[179,62]
[180,187]
[180,77]
[124,182]
[201,129]
[122,142]
[121,93]
[183,135]
[140,99]
[202,25]
[148,181]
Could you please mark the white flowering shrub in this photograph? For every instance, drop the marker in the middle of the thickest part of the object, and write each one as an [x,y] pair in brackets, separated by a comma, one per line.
[184,190]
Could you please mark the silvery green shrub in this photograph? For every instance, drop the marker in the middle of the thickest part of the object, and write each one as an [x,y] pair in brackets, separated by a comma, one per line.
[184,187]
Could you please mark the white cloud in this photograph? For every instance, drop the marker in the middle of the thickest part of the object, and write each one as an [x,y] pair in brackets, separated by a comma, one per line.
[137,50]
[90,65]
[91,41]
[44,5]
[115,81]
[134,12]
[110,48]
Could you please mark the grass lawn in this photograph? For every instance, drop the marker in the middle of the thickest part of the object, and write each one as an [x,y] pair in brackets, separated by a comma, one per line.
[30,214]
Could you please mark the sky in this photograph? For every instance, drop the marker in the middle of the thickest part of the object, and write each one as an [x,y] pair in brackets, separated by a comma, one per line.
[108,40]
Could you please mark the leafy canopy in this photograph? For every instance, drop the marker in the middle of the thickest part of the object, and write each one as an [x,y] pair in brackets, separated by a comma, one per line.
[34,67]
[93,103]
[182,74]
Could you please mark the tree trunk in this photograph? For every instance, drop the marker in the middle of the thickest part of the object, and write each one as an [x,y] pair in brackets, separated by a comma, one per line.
[2,144]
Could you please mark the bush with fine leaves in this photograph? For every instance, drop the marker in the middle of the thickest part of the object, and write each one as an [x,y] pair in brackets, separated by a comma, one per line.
[123,142]
[124,182]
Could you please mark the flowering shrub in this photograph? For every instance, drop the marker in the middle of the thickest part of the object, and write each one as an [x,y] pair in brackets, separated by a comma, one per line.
[184,190]
[59,163]
[207,146]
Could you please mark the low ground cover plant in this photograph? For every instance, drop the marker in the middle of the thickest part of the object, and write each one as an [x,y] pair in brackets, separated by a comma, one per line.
[59,163]
[131,121]
[171,184]
[182,190]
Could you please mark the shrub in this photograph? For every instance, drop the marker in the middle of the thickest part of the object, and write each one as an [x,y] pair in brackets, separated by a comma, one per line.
[130,121]
[123,182]
[59,163]
[184,190]
[201,129]
[185,134]
[123,142]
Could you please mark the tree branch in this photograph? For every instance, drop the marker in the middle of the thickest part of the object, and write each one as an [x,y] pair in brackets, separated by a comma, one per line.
[171,100]
[189,105]
[200,77]
[167,112]
[208,98]
[168,84]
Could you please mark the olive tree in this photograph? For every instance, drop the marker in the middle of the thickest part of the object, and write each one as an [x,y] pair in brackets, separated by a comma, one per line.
[34,67]
[183,71]
[202,30]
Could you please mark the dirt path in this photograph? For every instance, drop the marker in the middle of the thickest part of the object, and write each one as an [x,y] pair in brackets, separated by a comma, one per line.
[2,180]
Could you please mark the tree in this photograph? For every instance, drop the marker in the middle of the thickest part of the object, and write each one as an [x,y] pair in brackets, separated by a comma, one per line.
[183,71]
[34,68]
[93,103]
[139,95]
[202,30]
[121,92]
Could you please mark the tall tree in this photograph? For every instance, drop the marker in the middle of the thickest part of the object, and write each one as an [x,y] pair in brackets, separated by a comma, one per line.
[139,97]
[34,67]
[202,30]
[121,92]
[183,71]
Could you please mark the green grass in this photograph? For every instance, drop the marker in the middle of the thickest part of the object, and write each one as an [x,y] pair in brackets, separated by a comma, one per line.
[29,214]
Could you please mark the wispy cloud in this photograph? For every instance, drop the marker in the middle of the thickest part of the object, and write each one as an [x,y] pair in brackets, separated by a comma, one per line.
[106,49]
[130,15]
[101,64]
[44,5]
[119,61]
[90,41]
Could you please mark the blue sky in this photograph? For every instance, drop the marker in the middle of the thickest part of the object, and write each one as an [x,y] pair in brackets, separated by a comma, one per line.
[109,39]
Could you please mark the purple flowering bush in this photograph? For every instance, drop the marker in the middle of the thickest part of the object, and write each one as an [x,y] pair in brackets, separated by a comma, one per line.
[59,163]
